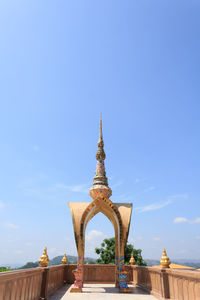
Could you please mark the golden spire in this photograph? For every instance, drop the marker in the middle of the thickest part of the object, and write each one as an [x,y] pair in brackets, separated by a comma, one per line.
[100,183]
[64,260]
[100,129]
[132,260]
[100,151]
[165,261]
[44,259]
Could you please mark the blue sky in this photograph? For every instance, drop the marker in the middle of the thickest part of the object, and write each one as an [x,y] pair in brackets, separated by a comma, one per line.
[61,63]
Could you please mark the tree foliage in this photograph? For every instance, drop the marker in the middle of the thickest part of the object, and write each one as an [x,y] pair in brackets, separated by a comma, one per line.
[5,269]
[30,264]
[107,253]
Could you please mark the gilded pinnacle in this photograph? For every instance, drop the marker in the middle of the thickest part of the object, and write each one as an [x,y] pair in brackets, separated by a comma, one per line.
[100,151]
[165,261]
[64,259]
[100,130]
[132,260]
[44,259]
[100,183]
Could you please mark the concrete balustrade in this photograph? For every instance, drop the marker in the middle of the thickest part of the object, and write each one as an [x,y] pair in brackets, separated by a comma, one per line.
[39,283]
[21,285]
[168,283]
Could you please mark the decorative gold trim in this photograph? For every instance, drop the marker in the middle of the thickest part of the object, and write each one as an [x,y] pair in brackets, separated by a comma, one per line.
[165,261]
[64,259]
[132,260]
[44,259]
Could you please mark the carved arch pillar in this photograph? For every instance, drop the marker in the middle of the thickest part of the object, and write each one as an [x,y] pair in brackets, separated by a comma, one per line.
[118,213]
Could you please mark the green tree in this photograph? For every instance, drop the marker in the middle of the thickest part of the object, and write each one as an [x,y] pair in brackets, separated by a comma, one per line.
[29,265]
[107,253]
[5,269]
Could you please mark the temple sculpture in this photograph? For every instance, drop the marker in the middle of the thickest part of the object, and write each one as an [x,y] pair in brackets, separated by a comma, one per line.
[118,213]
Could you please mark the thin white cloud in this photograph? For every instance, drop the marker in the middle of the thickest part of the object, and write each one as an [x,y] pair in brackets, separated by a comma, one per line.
[180,220]
[197,237]
[196,221]
[93,235]
[159,205]
[11,226]
[185,220]
[153,206]
[178,196]
[156,239]
[81,188]
[93,239]
[137,180]
[18,251]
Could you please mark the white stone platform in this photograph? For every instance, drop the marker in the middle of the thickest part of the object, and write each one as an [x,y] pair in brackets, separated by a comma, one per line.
[100,292]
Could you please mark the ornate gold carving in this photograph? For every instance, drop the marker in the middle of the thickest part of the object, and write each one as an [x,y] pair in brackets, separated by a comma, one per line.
[132,260]
[44,259]
[64,259]
[165,261]
[100,152]
[100,183]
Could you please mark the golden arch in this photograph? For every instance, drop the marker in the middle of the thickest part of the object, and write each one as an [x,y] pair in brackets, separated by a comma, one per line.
[118,213]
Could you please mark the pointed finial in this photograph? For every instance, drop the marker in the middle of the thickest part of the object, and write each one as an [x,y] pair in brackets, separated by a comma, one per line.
[165,261]
[100,183]
[44,259]
[100,152]
[64,260]
[132,260]
[100,129]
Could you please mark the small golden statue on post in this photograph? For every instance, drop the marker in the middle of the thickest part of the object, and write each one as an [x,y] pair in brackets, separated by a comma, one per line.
[64,260]
[132,260]
[44,259]
[165,261]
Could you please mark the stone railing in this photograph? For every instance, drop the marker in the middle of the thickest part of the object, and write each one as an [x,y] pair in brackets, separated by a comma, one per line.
[99,273]
[168,283]
[39,283]
[32,284]
[56,278]
[23,284]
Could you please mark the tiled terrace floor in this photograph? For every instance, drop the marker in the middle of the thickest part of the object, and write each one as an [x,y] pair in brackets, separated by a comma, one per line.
[101,292]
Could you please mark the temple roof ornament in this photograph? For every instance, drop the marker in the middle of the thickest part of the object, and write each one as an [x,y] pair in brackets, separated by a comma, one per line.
[44,259]
[132,260]
[165,261]
[100,183]
[64,259]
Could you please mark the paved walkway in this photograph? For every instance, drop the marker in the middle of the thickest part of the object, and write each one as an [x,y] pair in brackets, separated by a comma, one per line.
[101,292]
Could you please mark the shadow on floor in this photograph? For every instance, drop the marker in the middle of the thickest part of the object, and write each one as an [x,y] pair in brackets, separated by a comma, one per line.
[112,290]
[61,292]
[100,292]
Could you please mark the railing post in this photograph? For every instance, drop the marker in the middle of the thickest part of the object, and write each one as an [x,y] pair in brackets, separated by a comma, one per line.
[44,286]
[65,274]
[164,284]
[135,274]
